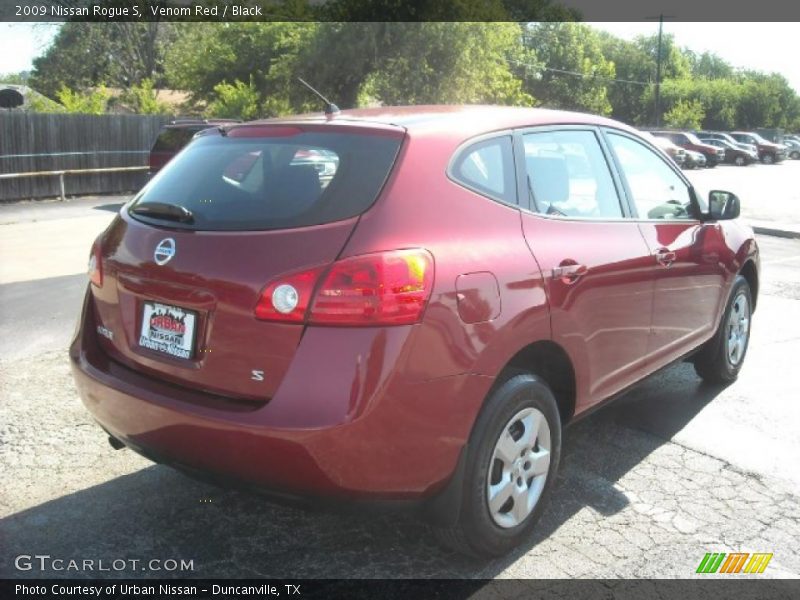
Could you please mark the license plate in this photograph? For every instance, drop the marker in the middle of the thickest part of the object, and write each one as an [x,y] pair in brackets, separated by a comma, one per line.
[168,329]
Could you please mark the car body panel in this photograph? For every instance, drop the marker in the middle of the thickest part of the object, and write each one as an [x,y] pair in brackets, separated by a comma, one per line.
[387,411]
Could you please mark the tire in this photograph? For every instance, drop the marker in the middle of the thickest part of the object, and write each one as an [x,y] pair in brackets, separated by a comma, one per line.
[768,159]
[721,358]
[520,470]
[739,160]
[795,155]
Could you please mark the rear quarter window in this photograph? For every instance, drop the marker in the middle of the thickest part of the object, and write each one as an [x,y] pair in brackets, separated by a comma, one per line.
[487,167]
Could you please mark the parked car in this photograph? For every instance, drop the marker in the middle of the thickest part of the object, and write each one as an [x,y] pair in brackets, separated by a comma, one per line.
[676,153]
[695,160]
[792,147]
[419,331]
[689,141]
[768,152]
[733,154]
[728,138]
[173,137]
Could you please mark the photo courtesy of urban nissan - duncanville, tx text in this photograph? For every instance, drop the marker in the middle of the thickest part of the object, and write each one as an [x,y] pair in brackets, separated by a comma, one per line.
[413,323]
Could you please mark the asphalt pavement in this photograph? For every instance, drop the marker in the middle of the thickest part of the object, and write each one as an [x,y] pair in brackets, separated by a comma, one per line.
[648,485]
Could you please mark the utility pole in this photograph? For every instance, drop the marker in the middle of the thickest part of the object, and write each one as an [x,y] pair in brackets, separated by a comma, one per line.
[660,18]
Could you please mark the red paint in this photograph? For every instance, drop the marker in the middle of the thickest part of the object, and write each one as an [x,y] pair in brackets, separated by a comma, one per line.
[385,410]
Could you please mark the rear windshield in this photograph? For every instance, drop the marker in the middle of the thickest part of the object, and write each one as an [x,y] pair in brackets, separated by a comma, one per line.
[258,183]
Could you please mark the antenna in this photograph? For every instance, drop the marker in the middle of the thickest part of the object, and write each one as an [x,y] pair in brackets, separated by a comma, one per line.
[330,107]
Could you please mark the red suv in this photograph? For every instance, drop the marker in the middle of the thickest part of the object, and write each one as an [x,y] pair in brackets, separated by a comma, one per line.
[416,322]
[689,141]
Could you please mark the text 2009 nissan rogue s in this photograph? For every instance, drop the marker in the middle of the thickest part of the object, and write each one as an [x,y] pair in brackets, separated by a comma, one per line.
[414,315]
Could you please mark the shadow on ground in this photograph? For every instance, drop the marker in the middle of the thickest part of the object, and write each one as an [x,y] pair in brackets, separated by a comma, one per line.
[112,207]
[158,513]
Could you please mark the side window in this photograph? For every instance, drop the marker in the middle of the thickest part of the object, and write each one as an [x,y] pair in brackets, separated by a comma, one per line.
[488,168]
[658,192]
[567,175]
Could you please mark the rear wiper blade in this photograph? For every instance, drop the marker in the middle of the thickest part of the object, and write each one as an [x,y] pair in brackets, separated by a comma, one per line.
[162,210]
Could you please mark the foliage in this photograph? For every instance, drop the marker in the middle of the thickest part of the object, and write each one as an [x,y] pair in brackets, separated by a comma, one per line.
[235,101]
[143,100]
[577,74]
[441,63]
[685,114]
[14,78]
[489,53]
[90,102]
[119,54]
[43,104]
[205,55]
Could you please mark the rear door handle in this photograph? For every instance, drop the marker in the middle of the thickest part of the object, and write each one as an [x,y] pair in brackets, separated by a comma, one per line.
[665,257]
[569,274]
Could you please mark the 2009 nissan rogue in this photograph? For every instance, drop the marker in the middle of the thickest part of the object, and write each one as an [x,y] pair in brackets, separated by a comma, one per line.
[412,316]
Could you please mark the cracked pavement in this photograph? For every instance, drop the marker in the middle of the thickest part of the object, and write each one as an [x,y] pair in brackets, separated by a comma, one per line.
[648,484]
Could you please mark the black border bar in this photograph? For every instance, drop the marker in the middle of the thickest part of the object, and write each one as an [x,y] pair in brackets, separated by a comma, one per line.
[399,10]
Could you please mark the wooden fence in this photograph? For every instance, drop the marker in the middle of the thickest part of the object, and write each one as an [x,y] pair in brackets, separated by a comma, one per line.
[54,142]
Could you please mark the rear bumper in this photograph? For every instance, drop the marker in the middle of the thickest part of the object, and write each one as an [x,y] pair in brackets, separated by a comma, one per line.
[329,431]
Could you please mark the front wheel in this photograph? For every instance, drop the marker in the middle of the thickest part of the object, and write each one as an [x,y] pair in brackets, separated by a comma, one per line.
[795,155]
[512,459]
[720,360]
[768,159]
[740,161]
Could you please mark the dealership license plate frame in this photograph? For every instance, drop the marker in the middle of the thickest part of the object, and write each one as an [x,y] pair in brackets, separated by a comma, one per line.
[165,346]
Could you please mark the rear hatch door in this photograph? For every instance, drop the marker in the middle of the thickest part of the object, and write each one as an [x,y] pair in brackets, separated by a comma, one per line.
[185,262]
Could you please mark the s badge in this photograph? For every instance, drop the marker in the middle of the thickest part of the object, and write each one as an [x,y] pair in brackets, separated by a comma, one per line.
[257,375]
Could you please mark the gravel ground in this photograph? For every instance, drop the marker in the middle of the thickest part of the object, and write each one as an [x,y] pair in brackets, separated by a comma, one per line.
[627,504]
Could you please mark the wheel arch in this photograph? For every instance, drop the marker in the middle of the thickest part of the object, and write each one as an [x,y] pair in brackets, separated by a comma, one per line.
[750,273]
[549,361]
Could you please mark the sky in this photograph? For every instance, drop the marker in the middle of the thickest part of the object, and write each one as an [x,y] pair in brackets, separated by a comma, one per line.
[761,46]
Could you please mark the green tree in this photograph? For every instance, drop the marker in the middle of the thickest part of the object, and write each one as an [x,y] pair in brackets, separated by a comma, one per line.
[685,114]
[629,96]
[143,99]
[92,102]
[118,54]
[235,101]
[576,74]
[439,63]
[205,55]
[14,78]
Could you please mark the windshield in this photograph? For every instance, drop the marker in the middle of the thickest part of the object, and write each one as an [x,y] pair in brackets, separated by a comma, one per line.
[256,183]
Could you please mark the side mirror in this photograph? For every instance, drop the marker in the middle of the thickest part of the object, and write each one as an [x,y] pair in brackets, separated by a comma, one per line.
[723,205]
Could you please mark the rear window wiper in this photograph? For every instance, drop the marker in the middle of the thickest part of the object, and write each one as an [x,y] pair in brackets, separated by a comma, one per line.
[162,210]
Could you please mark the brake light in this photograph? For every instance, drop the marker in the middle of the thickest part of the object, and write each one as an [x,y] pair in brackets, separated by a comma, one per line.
[95,267]
[384,288]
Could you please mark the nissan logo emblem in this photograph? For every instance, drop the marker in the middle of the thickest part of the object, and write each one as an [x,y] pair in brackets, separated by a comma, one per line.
[164,251]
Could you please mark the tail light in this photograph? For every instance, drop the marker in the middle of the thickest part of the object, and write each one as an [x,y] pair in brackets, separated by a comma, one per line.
[95,267]
[385,288]
[287,299]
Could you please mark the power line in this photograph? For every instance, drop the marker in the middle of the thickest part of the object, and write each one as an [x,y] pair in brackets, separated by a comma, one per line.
[583,75]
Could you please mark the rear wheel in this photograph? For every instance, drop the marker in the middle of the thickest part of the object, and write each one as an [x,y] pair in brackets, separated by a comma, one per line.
[720,360]
[512,459]
[768,159]
[795,155]
[740,161]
